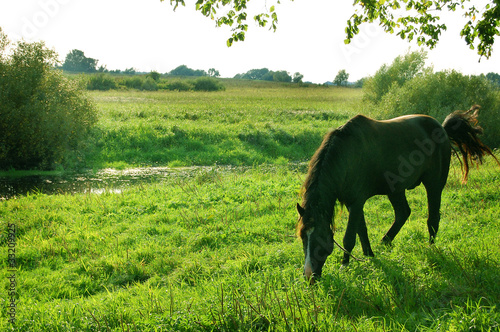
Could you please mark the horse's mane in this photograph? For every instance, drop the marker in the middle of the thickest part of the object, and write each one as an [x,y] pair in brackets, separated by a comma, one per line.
[325,171]
[321,160]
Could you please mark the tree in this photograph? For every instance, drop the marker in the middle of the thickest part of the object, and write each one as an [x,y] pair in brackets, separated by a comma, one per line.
[130,71]
[154,75]
[77,62]
[297,78]
[494,78]
[402,69]
[44,117]
[421,20]
[282,76]
[341,78]
[235,15]
[255,74]
[265,74]
[184,70]
[213,73]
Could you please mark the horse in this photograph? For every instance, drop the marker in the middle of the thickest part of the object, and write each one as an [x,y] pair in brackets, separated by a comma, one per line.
[366,157]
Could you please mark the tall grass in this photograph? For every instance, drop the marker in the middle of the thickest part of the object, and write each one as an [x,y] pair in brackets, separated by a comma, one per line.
[243,125]
[217,252]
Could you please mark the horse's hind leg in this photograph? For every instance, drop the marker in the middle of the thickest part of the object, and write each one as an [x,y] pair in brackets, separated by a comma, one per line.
[434,204]
[402,211]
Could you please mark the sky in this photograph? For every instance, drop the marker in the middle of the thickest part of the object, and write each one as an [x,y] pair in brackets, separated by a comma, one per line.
[148,35]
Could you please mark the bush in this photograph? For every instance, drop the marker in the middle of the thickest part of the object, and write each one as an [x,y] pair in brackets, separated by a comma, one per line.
[133,82]
[43,116]
[439,94]
[402,69]
[179,86]
[149,84]
[207,84]
[141,83]
[154,75]
[101,82]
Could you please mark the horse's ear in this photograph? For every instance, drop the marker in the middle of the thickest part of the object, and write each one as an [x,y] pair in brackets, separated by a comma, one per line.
[301,210]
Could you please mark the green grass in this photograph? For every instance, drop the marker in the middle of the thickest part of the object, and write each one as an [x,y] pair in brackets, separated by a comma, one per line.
[216,250]
[248,123]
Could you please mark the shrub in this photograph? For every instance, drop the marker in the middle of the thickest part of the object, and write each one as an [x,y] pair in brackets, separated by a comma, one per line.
[101,82]
[439,94]
[179,86]
[43,116]
[133,82]
[141,83]
[207,84]
[402,69]
[149,84]
[154,75]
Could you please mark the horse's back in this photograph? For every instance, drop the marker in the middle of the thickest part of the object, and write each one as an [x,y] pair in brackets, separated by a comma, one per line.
[401,153]
[406,125]
[414,122]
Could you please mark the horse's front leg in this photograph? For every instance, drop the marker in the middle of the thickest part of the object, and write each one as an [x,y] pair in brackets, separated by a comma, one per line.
[363,237]
[355,225]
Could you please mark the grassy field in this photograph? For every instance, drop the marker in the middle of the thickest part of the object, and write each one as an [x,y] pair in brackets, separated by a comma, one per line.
[249,123]
[216,251]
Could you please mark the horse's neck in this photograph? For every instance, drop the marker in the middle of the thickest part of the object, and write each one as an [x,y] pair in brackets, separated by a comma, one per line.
[324,199]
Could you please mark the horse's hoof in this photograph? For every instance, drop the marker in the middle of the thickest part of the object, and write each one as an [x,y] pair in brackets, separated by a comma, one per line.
[370,254]
[387,241]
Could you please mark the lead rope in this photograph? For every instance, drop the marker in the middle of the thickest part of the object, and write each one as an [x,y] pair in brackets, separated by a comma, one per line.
[347,252]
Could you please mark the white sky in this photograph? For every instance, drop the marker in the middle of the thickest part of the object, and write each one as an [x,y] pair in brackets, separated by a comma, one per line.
[148,35]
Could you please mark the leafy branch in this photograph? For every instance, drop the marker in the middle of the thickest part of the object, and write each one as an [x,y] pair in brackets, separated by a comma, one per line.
[234,15]
[423,23]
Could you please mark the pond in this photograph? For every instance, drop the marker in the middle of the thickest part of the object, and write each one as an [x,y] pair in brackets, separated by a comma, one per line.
[112,180]
[106,180]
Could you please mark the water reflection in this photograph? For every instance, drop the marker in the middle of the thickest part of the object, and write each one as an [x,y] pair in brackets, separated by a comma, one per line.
[115,181]
[106,180]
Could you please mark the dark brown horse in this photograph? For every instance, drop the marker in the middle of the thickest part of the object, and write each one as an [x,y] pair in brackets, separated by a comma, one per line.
[366,157]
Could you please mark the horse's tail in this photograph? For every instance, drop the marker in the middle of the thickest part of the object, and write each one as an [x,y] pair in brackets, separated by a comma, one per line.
[463,130]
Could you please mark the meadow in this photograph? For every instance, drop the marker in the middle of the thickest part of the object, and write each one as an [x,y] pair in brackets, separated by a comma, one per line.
[216,250]
[248,123]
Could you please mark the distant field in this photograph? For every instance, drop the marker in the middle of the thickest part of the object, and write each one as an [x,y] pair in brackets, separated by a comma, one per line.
[248,123]
[216,251]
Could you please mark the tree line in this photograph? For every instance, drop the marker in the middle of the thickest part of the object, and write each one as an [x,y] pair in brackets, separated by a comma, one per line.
[77,62]
[265,74]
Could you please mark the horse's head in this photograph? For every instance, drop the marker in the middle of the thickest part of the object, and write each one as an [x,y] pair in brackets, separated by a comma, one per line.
[314,229]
